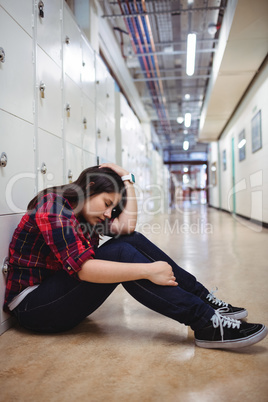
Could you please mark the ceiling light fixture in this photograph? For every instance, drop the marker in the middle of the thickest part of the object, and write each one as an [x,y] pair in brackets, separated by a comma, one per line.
[185,145]
[180,119]
[187,96]
[191,46]
[187,119]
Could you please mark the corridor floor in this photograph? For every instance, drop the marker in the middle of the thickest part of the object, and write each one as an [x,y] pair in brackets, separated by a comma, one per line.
[125,352]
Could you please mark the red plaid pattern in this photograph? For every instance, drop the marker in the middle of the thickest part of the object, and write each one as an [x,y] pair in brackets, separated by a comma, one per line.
[46,240]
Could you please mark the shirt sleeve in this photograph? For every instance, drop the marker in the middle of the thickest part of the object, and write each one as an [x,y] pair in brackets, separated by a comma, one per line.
[60,230]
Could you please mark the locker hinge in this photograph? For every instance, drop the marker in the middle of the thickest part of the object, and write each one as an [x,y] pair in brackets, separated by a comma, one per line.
[62,153]
[32,20]
[60,15]
[33,106]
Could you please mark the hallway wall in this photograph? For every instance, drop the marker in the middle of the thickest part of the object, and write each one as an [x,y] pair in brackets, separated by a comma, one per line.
[250,174]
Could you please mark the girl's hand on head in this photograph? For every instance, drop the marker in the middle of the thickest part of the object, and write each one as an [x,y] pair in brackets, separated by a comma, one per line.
[161,273]
[117,169]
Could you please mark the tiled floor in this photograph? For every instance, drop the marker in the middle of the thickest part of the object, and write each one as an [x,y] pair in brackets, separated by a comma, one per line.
[124,352]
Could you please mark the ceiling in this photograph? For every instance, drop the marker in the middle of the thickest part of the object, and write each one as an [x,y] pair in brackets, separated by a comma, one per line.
[152,36]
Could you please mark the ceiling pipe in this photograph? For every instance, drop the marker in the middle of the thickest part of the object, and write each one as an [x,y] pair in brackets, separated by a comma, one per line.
[171,12]
[137,27]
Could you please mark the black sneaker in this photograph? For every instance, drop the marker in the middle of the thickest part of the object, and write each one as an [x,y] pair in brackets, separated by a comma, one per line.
[227,333]
[226,309]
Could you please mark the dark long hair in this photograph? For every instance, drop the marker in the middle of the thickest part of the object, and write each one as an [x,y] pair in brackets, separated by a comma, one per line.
[92,181]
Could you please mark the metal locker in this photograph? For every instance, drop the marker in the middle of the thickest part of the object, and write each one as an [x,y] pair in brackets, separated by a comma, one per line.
[22,15]
[50,160]
[16,83]
[73,162]
[111,151]
[72,53]
[89,159]
[73,119]
[101,76]
[17,176]
[110,98]
[8,224]
[48,28]
[88,76]
[89,125]
[102,132]
[49,93]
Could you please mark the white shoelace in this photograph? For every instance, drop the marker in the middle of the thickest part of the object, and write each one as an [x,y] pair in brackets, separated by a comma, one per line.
[213,299]
[221,321]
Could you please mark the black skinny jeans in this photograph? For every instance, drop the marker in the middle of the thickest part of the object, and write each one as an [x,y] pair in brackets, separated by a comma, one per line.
[61,302]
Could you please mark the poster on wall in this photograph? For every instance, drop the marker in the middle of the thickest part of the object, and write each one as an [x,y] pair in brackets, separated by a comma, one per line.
[242,145]
[224,159]
[214,174]
[256,135]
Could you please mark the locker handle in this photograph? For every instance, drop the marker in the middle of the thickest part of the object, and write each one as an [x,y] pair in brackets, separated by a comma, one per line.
[41,9]
[42,88]
[70,176]
[3,159]
[2,55]
[5,266]
[67,40]
[68,109]
[43,169]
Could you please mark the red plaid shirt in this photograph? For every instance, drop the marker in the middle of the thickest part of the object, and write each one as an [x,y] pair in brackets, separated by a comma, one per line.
[46,240]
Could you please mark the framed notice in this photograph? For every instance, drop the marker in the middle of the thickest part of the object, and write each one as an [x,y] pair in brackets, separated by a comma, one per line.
[256,135]
[224,163]
[242,145]
[214,174]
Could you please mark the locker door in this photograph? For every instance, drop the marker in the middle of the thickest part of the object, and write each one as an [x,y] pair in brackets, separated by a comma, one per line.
[101,129]
[17,178]
[110,97]
[101,76]
[89,125]
[72,53]
[22,15]
[88,70]
[8,224]
[50,105]
[89,159]
[50,161]
[49,29]
[16,83]
[73,119]
[73,162]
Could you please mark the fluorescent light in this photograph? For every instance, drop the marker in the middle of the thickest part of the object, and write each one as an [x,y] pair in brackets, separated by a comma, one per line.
[187,96]
[185,132]
[191,45]
[242,143]
[180,119]
[187,119]
[185,145]
[185,169]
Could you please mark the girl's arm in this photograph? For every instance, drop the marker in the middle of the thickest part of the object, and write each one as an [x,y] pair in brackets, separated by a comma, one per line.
[126,222]
[102,271]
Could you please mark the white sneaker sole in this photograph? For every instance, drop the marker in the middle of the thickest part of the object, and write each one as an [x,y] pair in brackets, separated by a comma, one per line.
[236,316]
[235,343]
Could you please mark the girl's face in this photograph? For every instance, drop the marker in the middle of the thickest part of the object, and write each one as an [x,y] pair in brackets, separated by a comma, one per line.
[99,207]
